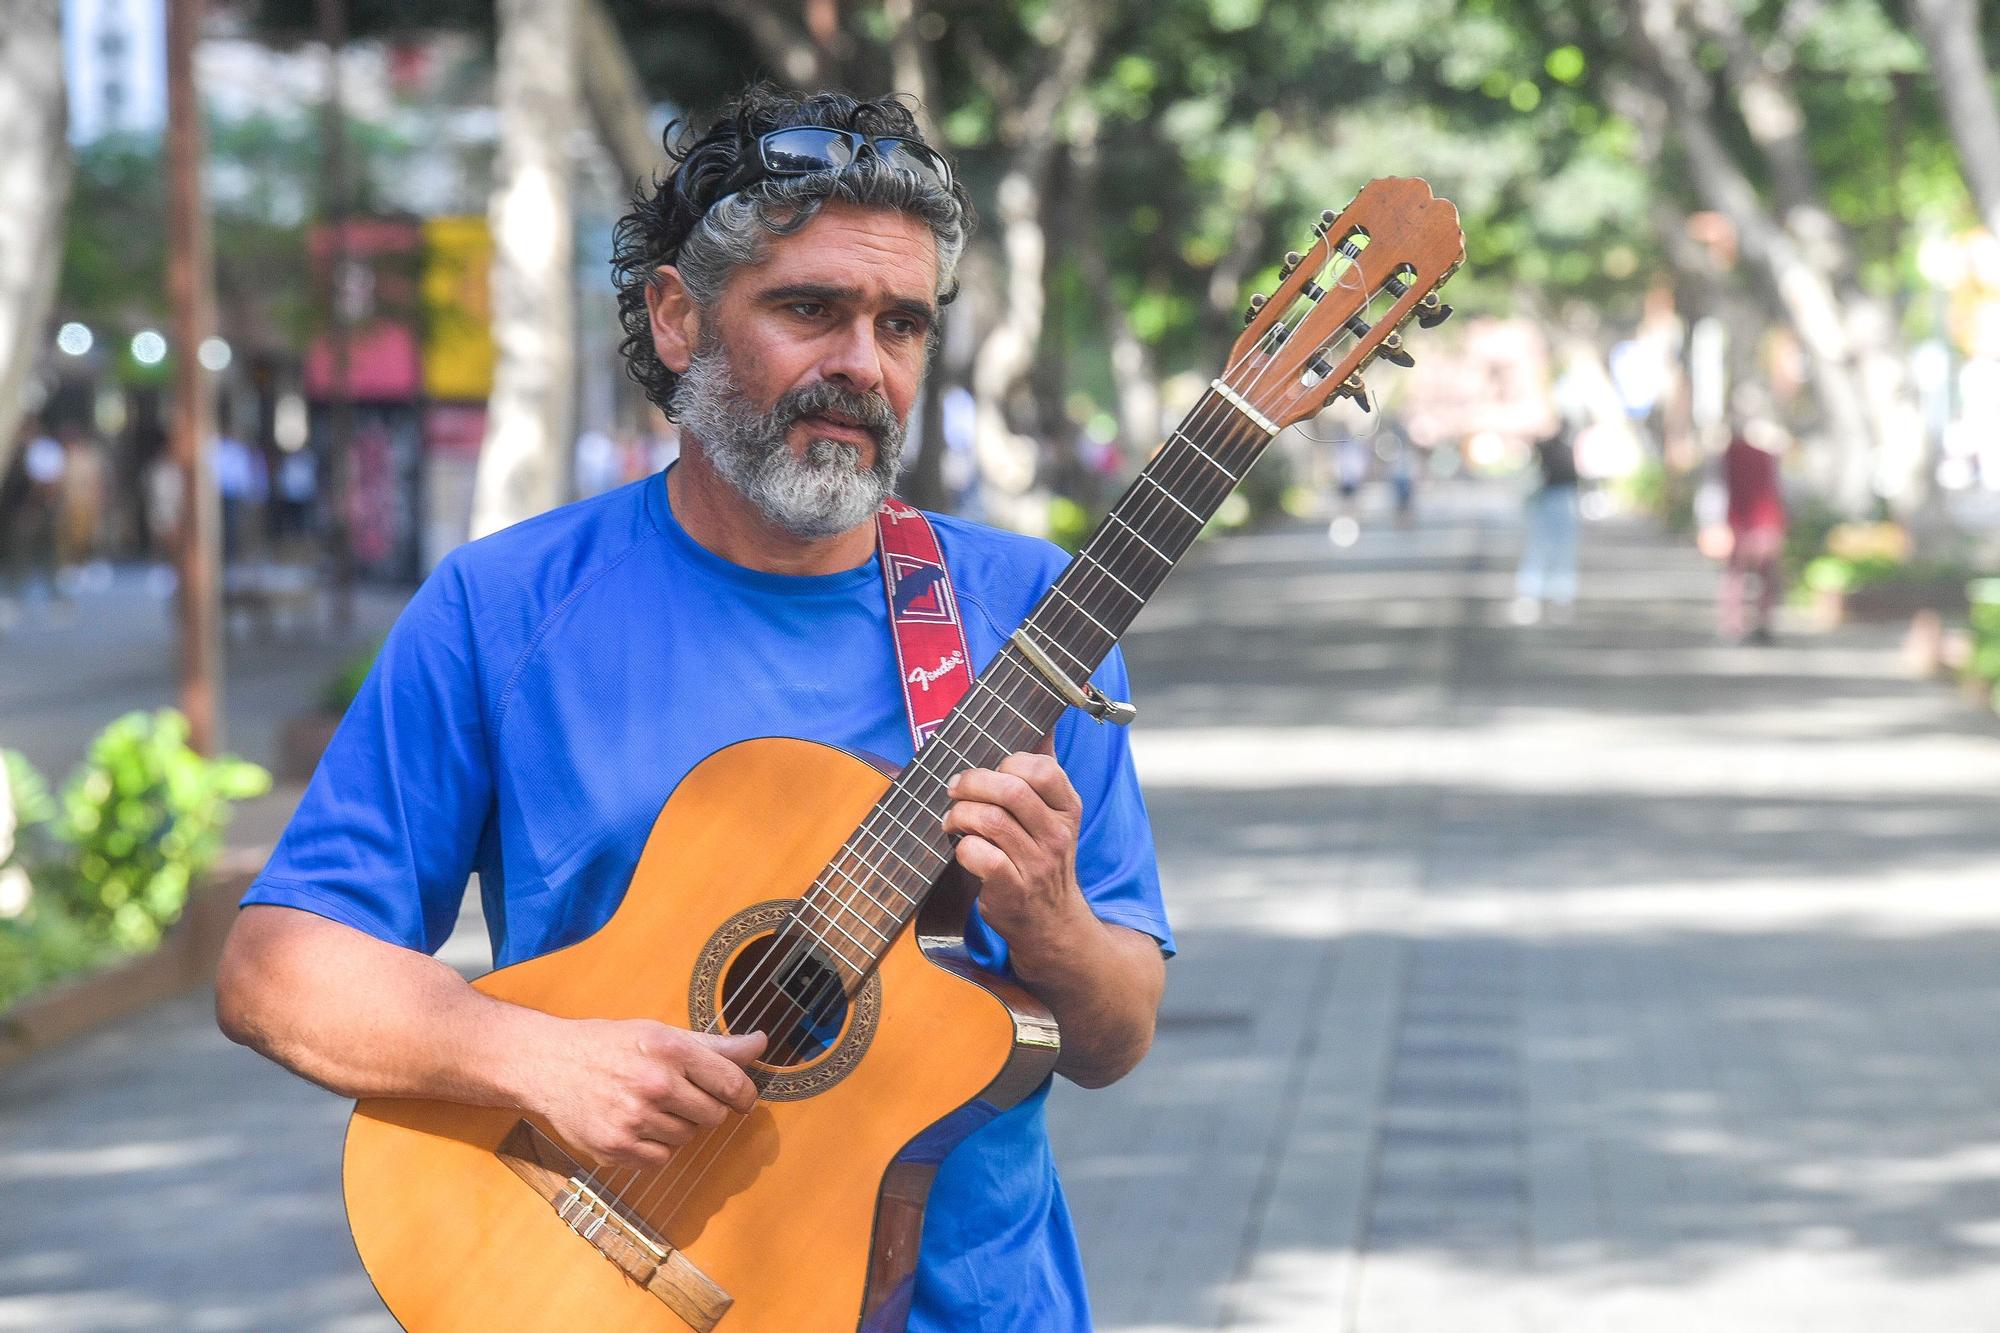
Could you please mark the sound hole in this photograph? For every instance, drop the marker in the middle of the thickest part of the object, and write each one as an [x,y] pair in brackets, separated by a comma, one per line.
[786,989]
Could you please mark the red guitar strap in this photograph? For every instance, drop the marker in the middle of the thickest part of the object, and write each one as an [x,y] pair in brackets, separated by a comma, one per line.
[931,654]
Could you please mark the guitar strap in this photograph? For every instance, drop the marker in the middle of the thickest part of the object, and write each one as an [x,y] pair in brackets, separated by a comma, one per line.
[931,653]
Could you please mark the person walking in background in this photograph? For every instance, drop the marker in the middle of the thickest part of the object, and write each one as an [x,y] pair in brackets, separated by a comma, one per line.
[1547,572]
[1756,518]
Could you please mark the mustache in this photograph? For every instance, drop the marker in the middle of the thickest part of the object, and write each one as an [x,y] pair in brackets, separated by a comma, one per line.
[870,411]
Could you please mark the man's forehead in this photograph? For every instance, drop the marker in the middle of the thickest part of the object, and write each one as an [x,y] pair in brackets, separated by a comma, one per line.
[869,254]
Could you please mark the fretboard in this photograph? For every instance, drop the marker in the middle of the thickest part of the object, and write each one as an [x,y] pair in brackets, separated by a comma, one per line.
[883,873]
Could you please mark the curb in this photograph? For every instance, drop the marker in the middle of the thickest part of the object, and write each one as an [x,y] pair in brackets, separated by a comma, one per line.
[185,960]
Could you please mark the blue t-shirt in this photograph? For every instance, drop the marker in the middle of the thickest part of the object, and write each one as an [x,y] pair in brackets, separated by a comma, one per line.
[548,687]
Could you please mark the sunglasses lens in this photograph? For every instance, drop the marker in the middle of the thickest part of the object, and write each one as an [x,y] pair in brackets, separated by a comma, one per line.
[913,159]
[806,149]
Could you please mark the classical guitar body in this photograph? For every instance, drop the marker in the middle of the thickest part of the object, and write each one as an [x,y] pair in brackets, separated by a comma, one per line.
[807,1216]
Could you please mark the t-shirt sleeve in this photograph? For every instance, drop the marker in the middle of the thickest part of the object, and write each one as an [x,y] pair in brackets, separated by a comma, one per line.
[1115,862]
[385,837]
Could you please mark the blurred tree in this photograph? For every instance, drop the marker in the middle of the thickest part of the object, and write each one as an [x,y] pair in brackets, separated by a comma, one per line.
[1950,32]
[524,463]
[34,186]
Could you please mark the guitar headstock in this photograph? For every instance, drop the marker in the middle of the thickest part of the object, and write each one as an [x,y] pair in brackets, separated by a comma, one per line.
[1344,302]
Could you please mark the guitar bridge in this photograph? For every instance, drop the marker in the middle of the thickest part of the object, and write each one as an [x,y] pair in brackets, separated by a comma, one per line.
[620,1235]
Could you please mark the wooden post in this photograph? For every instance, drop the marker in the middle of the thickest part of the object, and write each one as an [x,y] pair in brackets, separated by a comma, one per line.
[191,292]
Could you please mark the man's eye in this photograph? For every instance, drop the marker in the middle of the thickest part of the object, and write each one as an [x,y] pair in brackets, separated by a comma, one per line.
[810,309]
[906,328]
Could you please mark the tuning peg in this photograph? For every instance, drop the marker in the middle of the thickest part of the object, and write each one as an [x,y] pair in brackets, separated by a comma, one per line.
[1352,387]
[1256,304]
[1326,217]
[1432,312]
[1292,260]
[1393,351]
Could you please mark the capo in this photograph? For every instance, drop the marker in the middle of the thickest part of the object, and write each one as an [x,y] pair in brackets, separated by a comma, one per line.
[1087,697]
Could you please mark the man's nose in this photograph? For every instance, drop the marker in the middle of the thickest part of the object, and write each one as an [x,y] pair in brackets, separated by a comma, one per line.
[855,358]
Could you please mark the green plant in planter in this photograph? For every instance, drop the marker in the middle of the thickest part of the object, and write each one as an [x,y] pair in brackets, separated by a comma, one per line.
[38,940]
[142,819]
[1983,599]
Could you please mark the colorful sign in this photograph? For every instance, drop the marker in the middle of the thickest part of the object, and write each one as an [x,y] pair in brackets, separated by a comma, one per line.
[458,349]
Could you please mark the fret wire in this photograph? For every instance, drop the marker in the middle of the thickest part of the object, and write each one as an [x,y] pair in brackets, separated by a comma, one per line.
[1207,457]
[937,738]
[890,848]
[1098,567]
[1048,642]
[834,921]
[922,841]
[990,738]
[1001,699]
[1083,611]
[862,888]
[1164,490]
[827,944]
[1113,517]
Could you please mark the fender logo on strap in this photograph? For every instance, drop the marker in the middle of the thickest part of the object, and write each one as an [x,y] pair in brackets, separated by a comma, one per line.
[932,658]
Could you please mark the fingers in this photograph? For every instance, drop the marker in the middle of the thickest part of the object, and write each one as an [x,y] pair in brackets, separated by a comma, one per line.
[716,1067]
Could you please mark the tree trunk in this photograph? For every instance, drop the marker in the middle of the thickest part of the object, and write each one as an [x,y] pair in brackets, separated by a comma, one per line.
[1806,292]
[1007,460]
[1950,30]
[615,97]
[1880,361]
[34,190]
[1135,377]
[524,463]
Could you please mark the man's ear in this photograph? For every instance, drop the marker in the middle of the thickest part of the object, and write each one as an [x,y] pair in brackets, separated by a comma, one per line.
[675,318]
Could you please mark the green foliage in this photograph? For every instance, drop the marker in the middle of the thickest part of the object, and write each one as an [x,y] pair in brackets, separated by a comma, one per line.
[338,693]
[141,819]
[1070,524]
[1983,599]
[112,859]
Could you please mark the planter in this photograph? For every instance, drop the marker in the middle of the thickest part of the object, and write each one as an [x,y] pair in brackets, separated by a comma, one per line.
[301,741]
[1890,601]
[185,960]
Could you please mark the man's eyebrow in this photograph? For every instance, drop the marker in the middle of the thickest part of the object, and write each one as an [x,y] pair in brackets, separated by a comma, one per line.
[833,294]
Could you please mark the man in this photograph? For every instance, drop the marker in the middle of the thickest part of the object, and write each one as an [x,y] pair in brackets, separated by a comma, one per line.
[1751,484]
[549,686]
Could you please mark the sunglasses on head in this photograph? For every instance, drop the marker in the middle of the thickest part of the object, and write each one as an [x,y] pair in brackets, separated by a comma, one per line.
[807,150]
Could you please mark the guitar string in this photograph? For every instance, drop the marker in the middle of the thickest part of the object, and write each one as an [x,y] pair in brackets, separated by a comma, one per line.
[1118,551]
[1100,569]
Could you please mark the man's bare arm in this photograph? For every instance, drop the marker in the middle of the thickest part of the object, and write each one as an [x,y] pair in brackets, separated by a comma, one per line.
[366,1018]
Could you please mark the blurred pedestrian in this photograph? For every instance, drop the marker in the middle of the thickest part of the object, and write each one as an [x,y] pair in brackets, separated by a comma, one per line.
[36,544]
[82,500]
[1403,480]
[1756,540]
[1546,576]
[243,481]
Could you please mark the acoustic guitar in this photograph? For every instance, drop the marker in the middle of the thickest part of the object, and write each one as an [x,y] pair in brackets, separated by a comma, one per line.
[792,888]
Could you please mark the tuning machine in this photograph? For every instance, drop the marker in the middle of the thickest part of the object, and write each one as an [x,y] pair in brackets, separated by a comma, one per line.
[1292,260]
[1391,349]
[1325,222]
[1256,303]
[1353,387]
[1432,312]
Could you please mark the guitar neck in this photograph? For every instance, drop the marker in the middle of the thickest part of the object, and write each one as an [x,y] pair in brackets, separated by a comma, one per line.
[882,875]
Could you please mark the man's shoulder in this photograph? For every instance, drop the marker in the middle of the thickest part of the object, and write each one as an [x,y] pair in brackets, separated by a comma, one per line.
[552,553]
[979,554]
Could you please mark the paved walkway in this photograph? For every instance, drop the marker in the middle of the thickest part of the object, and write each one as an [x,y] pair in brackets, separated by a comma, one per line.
[1569,978]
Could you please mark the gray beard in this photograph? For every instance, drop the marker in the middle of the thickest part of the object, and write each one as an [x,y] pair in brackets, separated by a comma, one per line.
[822,494]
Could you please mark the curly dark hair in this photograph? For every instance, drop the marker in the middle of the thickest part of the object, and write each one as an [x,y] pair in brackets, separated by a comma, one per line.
[680,221]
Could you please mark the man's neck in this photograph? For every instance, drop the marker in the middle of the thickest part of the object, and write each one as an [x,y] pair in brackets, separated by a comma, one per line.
[717,516]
